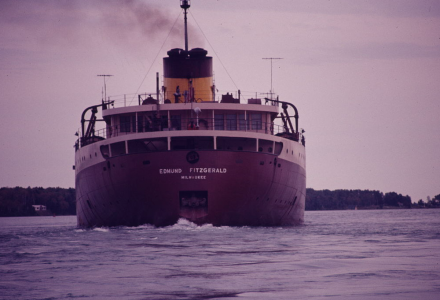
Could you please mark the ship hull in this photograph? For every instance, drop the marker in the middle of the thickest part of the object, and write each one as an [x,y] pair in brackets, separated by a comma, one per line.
[223,188]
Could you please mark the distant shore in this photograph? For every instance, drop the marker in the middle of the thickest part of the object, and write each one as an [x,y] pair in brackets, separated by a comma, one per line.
[19,201]
[363,199]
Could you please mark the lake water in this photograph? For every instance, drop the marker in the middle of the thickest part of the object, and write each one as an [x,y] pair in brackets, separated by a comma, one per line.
[378,254]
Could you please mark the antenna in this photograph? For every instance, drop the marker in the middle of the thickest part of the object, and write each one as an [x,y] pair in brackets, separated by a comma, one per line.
[105,87]
[185,4]
[271,59]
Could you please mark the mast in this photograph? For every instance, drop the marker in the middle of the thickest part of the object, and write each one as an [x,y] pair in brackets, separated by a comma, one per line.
[185,4]
[105,87]
[271,59]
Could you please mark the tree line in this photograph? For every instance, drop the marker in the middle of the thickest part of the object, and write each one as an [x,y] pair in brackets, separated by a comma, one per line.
[363,199]
[352,199]
[430,203]
[18,201]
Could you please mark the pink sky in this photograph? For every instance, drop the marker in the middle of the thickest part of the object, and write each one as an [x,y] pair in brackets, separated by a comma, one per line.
[365,76]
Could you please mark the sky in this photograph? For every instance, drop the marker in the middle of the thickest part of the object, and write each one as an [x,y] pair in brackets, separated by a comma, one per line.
[364,75]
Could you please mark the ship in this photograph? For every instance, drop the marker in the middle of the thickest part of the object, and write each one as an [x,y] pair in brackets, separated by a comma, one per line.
[186,152]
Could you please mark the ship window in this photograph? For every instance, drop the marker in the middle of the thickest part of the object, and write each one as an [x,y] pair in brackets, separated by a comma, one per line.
[133,123]
[231,122]
[203,124]
[147,145]
[164,122]
[190,143]
[125,123]
[145,123]
[265,145]
[176,123]
[256,121]
[141,124]
[118,148]
[236,144]
[219,122]
[242,122]
[278,148]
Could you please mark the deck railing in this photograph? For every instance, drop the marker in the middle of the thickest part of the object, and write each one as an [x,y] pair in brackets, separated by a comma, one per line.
[137,99]
[165,124]
[190,124]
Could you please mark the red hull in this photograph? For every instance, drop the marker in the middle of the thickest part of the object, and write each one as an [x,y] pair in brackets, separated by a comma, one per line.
[219,187]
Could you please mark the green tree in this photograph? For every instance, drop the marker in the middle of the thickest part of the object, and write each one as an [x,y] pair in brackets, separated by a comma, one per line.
[18,201]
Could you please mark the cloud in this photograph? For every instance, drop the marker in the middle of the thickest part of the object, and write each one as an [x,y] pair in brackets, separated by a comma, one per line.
[390,8]
[64,22]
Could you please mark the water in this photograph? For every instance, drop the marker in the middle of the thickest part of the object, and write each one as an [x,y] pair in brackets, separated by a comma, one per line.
[380,254]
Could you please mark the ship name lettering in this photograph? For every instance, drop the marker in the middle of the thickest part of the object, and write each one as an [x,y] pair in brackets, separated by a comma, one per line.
[170,171]
[208,170]
[193,177]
